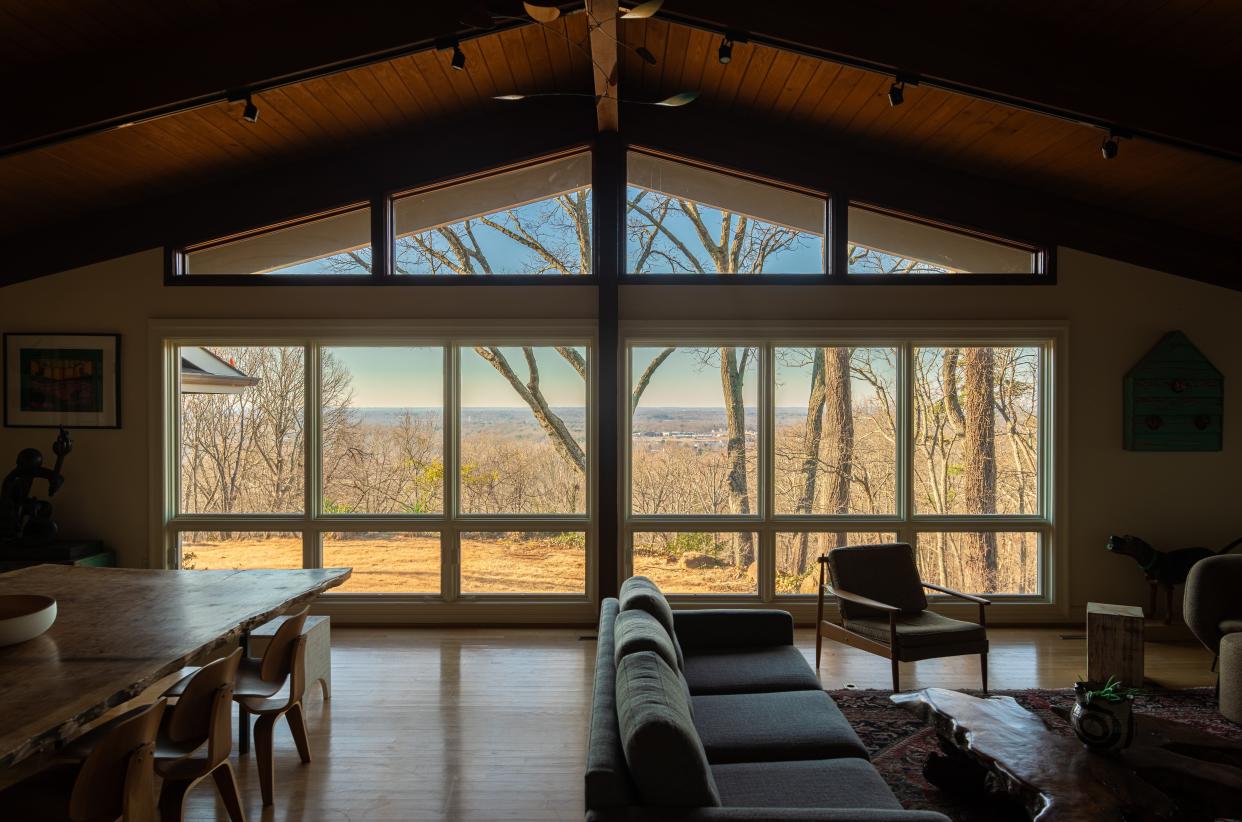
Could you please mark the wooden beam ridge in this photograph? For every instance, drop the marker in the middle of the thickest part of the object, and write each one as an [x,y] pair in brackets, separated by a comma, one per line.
[363,173]
[251,49]
[987,50]
[805,158]
[602,19]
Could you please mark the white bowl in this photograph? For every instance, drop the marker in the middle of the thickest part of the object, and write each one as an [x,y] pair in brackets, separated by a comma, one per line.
[25,616]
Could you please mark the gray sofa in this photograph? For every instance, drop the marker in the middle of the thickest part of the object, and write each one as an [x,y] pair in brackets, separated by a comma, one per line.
[715,715]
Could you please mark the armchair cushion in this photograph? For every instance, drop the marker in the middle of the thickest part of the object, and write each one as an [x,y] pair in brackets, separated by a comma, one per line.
[922,630]
[815,783]
[1230,626]
[662,748]
[785,725]
[1211,597]
[640,593]
[885,573]
[750,671]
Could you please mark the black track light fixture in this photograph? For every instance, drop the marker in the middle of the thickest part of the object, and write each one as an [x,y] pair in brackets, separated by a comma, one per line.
[725,52]
[251,112]
[459,57]
[1108,148]
[897,93]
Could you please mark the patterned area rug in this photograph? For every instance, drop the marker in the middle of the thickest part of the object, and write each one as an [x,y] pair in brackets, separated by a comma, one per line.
[900,743]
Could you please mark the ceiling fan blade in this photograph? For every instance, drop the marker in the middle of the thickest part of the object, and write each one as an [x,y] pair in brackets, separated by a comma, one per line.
[542,13]
[678,100]
[646,55]
[643,10]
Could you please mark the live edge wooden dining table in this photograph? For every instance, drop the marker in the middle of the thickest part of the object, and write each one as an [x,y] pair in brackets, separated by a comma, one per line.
[118,631]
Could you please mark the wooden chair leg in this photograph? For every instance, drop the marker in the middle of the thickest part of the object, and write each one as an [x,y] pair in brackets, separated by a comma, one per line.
[983,669]
[243,730]
[226,786]
[297,726]
[263,753]
[326,687]
[819,647]
[896,675]
[172,799]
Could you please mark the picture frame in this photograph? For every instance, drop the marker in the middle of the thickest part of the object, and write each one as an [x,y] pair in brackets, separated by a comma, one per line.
[53,380]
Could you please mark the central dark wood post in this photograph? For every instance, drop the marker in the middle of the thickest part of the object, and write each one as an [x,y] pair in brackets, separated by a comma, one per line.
[608,191]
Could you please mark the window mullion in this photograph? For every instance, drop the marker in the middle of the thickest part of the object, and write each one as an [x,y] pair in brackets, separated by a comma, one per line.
[312,440]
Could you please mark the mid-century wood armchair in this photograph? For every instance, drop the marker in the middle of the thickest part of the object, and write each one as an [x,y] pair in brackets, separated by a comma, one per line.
[884,609]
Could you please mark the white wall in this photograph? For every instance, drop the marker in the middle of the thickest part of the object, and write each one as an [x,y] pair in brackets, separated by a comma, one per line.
[1115,313]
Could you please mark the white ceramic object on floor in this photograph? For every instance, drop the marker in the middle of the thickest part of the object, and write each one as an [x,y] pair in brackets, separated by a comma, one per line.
[25,616]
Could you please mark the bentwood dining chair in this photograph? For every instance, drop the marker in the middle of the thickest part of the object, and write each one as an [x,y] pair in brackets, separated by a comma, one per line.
[272,686]
[884,609]
[116,780]
[196,737]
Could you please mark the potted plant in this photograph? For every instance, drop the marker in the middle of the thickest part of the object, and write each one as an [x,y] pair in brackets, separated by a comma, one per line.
[1102,716]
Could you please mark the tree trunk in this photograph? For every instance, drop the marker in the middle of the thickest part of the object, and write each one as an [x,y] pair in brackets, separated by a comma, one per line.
[810,456]
[980,471]
[839,418]
[735,416]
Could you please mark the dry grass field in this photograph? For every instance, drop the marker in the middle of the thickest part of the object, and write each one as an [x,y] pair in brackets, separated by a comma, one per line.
[410,563]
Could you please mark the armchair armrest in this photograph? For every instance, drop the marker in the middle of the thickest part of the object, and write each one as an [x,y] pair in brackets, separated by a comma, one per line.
[859,599]
[957,594]
[715,628]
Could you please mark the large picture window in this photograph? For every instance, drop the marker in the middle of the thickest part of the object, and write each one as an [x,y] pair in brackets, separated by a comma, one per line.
[441,468]
[534,221]
[682,219]
[749,458]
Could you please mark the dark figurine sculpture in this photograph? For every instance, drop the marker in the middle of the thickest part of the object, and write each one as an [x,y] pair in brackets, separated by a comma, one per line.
[25,520]
[1164,569]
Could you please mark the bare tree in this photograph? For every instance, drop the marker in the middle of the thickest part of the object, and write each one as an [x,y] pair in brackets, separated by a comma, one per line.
[980,447]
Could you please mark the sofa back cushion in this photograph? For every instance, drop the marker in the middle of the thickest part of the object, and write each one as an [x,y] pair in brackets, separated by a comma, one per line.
[640,593]
[639,631]
[885,573]
[608,783]
[662,749]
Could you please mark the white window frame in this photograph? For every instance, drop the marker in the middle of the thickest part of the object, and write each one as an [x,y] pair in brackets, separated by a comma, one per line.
[450,603]
[1050,522]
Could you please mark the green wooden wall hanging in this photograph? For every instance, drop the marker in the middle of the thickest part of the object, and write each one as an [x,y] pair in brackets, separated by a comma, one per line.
[1174,399]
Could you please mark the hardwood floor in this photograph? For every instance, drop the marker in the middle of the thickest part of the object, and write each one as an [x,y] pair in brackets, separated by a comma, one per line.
[476,724]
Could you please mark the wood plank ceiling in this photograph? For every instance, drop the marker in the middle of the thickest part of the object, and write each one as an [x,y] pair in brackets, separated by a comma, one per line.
[162,158]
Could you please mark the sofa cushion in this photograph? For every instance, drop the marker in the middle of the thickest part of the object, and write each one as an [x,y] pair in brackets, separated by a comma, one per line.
[885,573]
[662,749]
[644,595]
[750,671]
[640,631]
[815,783]
[782,725]
[925,629]
[1231,626]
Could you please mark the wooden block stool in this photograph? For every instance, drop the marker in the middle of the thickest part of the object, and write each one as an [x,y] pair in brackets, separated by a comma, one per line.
[1115,643]
[1231,676]
[318,648]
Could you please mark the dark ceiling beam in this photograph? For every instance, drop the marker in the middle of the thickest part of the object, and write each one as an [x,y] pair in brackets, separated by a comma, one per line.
[987,50]
[849,169]
[277,193]
[250,49]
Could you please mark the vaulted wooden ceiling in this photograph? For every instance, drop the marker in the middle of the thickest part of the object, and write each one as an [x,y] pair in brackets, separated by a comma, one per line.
[335,79]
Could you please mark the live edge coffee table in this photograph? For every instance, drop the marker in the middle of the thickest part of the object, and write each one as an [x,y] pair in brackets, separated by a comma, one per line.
[996,747]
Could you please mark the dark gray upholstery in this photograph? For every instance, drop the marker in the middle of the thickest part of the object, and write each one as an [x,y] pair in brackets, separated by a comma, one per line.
[730,628]
[921,630]
[662,749]
[1212,604]
[750,670]
[640,631]
[607,778]
[761,815]
[815,783]
[885,573]
[783,725]
[641,593]
[667,735]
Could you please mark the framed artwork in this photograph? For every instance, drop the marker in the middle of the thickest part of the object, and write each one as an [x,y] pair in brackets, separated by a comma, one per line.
[72,380]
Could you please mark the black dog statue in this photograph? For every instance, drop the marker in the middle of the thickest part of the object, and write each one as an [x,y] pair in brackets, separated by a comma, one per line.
[1164,569]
